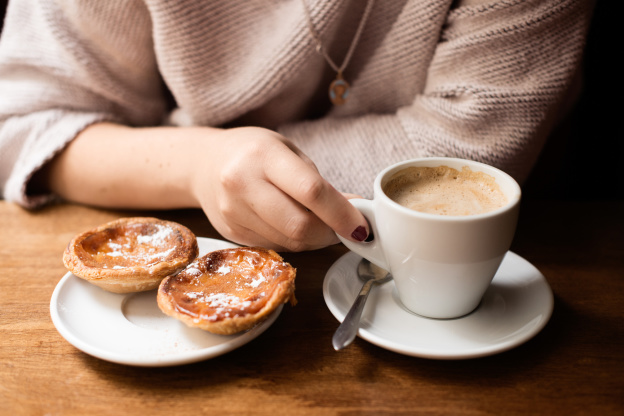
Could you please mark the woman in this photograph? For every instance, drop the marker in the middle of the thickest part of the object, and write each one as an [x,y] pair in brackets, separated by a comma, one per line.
[260,112]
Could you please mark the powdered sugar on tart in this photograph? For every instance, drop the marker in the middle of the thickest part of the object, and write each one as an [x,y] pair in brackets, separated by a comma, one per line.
[228,291]
[131,254]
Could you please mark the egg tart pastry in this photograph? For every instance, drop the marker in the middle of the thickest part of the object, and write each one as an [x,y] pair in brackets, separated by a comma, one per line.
[228,291]
[131,254]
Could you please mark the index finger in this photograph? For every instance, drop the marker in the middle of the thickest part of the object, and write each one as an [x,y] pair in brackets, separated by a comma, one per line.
[304,184]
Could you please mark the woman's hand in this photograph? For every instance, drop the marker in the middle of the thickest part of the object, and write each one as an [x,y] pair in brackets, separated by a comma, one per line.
[258,189]
[254,186]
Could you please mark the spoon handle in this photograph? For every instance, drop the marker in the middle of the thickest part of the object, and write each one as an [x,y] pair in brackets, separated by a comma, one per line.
[345,334]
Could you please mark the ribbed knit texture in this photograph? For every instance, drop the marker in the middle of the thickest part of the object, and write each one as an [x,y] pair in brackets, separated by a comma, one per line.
[481,81]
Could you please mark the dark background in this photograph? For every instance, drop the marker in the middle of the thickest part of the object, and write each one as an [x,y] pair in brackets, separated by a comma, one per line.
[582,159]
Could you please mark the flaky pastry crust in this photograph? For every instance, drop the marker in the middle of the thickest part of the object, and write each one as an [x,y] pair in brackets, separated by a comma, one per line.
[228,291]
[131,254]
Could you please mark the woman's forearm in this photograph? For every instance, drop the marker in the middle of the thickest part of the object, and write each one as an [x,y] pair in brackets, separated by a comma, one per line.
[116,166]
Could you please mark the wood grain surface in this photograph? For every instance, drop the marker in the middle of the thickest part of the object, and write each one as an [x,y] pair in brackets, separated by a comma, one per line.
[575,366]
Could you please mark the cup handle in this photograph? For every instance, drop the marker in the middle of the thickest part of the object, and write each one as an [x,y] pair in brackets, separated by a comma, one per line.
[369,250]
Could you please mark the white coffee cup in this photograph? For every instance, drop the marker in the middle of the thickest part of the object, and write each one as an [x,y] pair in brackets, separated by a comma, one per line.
[442,265]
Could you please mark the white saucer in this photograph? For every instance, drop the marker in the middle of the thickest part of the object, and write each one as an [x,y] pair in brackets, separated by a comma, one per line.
[516,306]
[131,329]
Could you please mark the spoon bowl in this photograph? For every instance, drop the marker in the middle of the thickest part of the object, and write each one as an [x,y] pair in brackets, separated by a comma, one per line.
[370,274]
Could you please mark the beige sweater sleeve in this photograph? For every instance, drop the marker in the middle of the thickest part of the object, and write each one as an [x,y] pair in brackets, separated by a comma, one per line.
[61,71]
[491,77]
[495,84]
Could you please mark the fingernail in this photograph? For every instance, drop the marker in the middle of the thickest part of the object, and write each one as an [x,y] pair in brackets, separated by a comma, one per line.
[359,234]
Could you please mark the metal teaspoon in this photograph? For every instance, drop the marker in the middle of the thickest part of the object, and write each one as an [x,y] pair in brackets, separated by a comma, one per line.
[370,274]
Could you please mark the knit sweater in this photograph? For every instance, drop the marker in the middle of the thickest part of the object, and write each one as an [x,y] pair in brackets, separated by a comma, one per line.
[477,79]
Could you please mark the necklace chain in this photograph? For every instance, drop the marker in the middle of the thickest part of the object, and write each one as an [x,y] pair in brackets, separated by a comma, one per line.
[339,88]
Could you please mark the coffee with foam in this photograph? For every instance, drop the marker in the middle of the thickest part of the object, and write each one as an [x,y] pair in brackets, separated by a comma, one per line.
[443,190]
[442,260]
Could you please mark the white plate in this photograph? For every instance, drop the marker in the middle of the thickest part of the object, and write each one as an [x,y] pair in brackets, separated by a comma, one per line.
[131,329]
[516,306]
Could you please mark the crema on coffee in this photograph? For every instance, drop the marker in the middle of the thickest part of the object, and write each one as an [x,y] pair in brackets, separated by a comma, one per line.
[443,190]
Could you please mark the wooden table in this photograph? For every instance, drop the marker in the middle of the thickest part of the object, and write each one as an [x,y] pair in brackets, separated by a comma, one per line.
[574,366]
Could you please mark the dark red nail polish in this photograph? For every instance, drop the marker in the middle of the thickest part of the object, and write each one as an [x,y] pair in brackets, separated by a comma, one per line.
[359,234]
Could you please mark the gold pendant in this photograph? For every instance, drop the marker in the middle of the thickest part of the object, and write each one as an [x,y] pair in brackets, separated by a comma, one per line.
[339,90]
